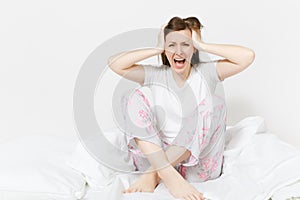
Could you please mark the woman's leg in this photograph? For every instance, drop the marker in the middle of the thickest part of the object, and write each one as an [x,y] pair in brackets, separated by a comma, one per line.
[150,179]
[207,151]
[140,113]
[163,169]
[140,118]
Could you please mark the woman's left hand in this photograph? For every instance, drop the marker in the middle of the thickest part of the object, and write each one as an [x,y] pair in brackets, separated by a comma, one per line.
[197,42]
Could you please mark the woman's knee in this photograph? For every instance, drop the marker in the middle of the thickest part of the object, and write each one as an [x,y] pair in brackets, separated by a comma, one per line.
[150,142]
[177,154]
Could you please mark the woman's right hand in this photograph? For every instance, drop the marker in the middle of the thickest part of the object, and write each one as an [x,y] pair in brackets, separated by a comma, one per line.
[161,40]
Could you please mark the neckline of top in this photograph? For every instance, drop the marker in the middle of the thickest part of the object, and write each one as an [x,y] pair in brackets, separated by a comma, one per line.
[175,84]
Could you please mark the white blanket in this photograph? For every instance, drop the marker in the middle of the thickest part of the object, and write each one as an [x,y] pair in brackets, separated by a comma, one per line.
[257,164]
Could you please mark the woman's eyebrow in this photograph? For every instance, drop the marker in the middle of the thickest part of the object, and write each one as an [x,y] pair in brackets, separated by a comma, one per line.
[187,41]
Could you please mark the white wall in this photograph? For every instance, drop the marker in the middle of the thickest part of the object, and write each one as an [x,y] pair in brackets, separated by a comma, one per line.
[44,43]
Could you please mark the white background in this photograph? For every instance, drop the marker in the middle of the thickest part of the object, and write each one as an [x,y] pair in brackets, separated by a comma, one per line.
[44,43]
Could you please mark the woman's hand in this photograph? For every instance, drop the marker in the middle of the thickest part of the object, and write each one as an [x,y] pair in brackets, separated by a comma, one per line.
[161,40]
[197,42]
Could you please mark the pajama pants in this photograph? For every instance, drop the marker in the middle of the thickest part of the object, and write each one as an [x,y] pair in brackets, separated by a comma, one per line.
[204,138]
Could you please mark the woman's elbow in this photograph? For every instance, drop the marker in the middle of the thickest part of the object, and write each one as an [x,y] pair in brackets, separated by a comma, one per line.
[110,62]
[112,65]
[249,58]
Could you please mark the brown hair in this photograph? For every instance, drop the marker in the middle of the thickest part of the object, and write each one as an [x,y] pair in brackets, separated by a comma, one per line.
[178,24]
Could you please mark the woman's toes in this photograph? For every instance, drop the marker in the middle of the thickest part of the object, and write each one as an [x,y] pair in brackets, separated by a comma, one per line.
[194,197]
[188,197]
[130,190]
[198,196]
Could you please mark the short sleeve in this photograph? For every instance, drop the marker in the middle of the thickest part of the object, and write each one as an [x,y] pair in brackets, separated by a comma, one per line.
[152,74]
[209,71]
[211,68]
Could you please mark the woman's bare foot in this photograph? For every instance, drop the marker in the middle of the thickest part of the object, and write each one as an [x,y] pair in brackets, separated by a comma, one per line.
[146,183]
[178,186]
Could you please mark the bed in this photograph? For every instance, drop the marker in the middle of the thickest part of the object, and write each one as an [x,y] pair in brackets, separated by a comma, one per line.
[257,165]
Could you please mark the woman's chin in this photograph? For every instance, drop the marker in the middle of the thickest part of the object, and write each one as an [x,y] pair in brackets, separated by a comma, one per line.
[179,70]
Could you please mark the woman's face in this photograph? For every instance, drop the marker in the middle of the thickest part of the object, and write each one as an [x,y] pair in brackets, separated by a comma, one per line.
[179,50]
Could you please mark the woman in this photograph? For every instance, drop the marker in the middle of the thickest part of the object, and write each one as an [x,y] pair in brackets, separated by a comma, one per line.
[187,144]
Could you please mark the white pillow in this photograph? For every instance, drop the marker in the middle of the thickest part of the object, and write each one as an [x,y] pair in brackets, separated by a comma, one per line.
[34,167]
[239,135]
[96,174]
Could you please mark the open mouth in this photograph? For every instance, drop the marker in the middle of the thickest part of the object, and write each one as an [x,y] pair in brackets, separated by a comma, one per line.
[179,63]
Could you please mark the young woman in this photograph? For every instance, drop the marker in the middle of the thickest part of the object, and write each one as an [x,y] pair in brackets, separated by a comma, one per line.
[185,142]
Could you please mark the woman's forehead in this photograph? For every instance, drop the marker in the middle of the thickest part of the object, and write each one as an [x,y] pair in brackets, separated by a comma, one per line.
[179,36]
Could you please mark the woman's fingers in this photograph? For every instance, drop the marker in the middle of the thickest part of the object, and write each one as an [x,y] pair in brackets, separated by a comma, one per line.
[197,42]
[196,35]
[161,39]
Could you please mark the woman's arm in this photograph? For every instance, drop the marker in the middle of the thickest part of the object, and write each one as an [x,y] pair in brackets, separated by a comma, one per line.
[125,65]
[237,58]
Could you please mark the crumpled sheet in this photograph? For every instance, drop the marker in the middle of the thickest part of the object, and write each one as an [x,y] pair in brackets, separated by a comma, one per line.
[257,164]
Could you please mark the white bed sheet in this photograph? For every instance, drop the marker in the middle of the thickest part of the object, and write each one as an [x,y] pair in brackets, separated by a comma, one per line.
[266,167]
[33,168]
[288,192]
[257,166]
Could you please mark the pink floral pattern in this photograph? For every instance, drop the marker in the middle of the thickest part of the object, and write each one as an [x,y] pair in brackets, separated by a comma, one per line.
[202,138]
[182,171]
[143,114]
[203,176]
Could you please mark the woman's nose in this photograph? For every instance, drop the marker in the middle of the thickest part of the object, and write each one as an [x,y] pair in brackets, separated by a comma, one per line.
[178,50]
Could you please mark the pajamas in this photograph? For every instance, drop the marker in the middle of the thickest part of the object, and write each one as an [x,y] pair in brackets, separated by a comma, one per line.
[202,133]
